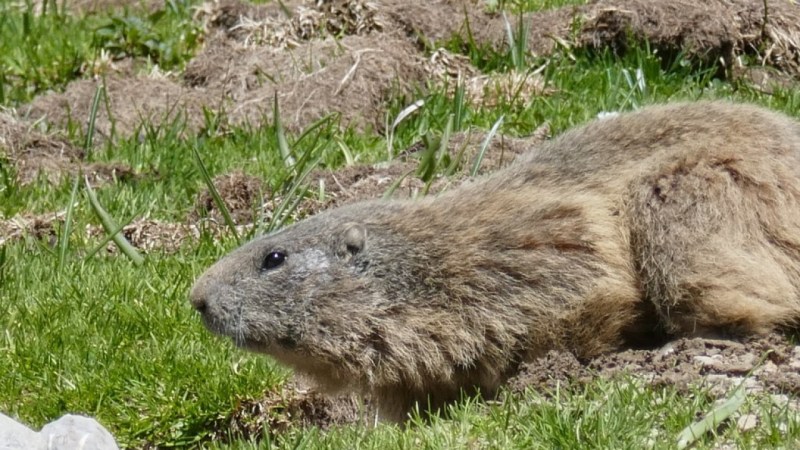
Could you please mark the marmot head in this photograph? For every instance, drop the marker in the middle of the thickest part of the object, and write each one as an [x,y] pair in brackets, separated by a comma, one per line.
[300,295]
[337,297]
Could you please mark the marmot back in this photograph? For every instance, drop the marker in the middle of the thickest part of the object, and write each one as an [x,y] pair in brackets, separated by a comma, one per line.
[674,220]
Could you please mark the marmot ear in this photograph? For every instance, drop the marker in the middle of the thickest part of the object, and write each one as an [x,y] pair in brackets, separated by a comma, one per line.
[351,240]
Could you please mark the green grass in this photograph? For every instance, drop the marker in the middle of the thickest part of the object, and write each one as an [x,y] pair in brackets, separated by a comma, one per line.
[47,48]
[105,337]
[606,415]
[109,338]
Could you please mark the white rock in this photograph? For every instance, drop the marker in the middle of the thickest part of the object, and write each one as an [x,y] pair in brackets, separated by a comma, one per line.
[72,432]
[708,360]
[16,436]
[747,422]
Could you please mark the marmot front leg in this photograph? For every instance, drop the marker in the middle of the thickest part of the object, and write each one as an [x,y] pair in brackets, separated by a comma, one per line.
[704,255]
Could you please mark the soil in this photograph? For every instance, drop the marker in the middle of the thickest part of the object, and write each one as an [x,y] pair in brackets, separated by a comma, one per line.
[241,193]
[364,182]
[769,364]
[128,102]
[32,154]
[349,57]
[291,406]
[702,31]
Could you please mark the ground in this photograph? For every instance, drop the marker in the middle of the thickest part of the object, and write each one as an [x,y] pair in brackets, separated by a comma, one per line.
[343,62]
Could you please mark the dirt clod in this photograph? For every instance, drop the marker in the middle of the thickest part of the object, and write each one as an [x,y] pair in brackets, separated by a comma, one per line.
[289,407]
[241,193]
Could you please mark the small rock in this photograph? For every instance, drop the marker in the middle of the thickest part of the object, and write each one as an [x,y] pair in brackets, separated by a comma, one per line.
[707,360]
[779,400]
[667,349]
[16,436]
[747,422]
[72,432]
[767,367]
[794,361]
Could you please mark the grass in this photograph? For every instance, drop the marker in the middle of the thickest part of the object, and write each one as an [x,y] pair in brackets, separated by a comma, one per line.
[103,336]
[607,415]
[45,46]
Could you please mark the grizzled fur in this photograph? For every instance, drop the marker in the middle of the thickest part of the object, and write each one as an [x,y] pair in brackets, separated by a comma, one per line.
[675,220]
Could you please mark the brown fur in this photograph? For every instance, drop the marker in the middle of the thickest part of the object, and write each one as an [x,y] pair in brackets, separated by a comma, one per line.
[680,219]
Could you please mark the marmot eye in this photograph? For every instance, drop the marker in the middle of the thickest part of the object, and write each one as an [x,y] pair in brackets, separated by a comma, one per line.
[273,260]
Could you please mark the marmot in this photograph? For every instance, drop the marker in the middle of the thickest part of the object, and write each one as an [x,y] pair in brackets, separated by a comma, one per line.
[675,220]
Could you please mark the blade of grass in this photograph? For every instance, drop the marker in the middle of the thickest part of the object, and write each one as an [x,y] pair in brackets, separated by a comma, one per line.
[444,142]
[427,161]
[3,263]
[712,420]
[485,145]
[348,154]
[393,187]
[220,204]
[63,247]
[321,191]
[109,225]
[87,146]
[454,163]
[407,111]
[313,134]
[459,106]
[285,10]
[110,236]
[299,171]
[292,199]
[283,145]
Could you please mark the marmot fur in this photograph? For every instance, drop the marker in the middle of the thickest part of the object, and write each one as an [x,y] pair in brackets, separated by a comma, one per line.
[675,220]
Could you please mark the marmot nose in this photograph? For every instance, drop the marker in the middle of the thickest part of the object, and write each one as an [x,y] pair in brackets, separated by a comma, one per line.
[198,297]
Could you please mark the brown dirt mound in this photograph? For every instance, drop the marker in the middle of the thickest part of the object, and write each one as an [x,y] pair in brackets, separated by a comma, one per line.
[354,77]
[703,31]
[144,233]
[242,194]
[32,153]
[41,227]
[289,407]
[347,58]
[292,23]
[769,364]
[131,101]
[149,235]
[364,182]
